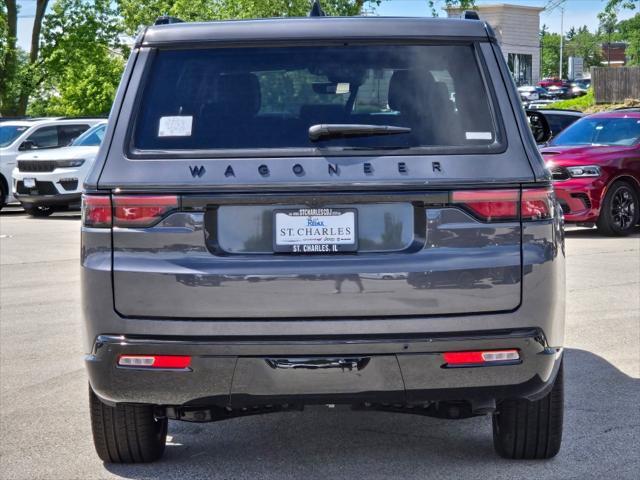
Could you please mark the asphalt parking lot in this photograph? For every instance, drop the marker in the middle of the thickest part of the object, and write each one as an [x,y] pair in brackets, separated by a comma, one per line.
[44,420]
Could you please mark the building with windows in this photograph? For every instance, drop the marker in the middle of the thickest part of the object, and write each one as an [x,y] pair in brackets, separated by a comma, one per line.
[517,28]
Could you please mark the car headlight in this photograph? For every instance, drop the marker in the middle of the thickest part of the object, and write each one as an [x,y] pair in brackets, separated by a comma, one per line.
[587,171]
[69,163]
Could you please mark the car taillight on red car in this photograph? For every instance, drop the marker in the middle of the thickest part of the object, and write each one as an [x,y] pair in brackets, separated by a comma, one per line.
[135,211]
[502,205]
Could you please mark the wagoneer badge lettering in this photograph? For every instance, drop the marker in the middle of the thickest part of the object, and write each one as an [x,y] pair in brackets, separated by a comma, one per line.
[197,170]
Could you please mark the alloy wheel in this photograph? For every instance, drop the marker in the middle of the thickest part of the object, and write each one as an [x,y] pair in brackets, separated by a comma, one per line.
[623,208]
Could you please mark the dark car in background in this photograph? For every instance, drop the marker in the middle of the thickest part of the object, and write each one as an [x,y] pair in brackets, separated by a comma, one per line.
[546,123]
[595,165]
[289,212]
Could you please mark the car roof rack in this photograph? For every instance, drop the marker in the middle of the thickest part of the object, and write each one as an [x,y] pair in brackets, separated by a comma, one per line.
[316,10]
[167,20]
[470,15]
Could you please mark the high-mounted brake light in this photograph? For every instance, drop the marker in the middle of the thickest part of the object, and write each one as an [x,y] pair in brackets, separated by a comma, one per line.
[155,361]
[536,204]
[481,357]
[141,210]
[489,205]
[96,211]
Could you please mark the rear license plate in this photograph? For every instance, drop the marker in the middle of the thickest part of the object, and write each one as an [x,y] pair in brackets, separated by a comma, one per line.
[315,230]
[29,182]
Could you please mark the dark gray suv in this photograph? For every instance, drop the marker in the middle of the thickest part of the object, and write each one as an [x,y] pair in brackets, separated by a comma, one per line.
[322,210]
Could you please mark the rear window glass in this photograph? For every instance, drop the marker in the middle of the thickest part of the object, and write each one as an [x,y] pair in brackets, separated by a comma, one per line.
[254,98]
[8,134]
[92,137]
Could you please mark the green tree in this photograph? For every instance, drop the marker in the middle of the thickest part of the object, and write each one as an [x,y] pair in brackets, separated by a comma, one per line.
[608,19]
[586,45]
[82,58]
[137,15]
[629,31]
[614,5]
[550,53]
[17,76]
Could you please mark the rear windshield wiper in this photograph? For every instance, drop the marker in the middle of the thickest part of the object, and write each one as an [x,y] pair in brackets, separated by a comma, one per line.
[334,130]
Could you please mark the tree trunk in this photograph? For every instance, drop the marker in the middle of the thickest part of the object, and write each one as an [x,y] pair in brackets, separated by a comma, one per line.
[7,102]
[41,8]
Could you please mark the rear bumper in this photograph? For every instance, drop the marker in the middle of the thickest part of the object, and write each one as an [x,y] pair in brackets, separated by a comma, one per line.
[233,373]
[61,199]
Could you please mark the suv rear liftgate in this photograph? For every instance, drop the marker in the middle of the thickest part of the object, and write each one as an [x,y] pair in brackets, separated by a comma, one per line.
[336,210]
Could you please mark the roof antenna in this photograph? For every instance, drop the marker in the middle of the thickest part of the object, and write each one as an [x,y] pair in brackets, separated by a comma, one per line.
[316,10]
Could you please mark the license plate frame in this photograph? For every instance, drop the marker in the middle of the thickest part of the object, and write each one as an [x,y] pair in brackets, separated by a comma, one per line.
[29,182]
[335,241]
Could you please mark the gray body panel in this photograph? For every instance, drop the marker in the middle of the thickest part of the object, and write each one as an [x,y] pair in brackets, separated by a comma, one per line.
[204,281]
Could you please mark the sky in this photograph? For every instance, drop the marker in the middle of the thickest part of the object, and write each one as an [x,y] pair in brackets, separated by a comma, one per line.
[577,13]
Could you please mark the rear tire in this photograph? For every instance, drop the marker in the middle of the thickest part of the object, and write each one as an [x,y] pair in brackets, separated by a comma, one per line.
[126,433]
[528,430]
[39,211]
[620,210]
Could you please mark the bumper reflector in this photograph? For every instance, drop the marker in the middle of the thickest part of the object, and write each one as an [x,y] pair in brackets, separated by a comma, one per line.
[154,361]
[480,357]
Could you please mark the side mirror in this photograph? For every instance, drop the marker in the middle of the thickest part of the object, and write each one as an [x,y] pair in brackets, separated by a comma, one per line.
[27,145]
[539,126]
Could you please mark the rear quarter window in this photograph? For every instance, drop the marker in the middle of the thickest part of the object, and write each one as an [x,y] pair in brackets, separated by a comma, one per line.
[267,98]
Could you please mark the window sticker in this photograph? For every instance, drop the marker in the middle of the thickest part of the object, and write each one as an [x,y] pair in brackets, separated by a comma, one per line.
[178,126]
[342,88]
[478,135]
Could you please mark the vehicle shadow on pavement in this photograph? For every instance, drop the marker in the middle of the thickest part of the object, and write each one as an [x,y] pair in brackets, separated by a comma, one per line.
[602,426]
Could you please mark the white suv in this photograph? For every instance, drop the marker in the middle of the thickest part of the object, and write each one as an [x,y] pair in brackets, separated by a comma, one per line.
[51,180]
[18,136]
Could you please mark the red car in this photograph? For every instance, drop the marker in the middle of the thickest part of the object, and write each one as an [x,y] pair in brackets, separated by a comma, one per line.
[548,82]
[595,164]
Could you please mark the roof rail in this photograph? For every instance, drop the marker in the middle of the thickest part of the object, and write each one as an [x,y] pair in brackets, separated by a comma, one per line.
[167,20]
[628,108]
[470,15]
[316,10]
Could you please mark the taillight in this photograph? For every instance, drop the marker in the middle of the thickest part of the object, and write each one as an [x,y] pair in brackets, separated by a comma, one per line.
[479,358]
[489,205]
[536,204]
[96,211]
[155,361]
[502,205]
[141,210]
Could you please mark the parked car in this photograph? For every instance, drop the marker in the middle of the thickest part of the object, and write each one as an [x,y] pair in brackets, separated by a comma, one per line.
[550,82]
[596,170]
[18,136]
[555,92]
[293,148]
[546,123]
[579,88]
[528,93]
[50,180]
[538,104]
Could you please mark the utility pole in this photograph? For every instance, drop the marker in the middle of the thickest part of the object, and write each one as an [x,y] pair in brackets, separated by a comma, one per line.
[550,7]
